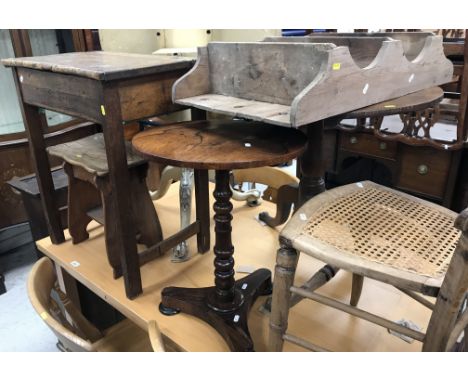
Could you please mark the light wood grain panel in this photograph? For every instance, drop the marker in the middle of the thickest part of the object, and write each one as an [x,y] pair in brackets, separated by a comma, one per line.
[255,245]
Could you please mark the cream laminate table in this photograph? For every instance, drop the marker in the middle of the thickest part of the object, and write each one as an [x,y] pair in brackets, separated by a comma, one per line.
[256,247]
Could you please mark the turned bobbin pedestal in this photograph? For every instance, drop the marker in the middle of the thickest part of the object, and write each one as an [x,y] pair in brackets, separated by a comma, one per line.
[222,146]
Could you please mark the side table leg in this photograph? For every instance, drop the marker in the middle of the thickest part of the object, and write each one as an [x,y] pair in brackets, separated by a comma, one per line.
[226,305]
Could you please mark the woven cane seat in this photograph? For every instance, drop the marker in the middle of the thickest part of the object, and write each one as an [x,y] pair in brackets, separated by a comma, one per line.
[377,232]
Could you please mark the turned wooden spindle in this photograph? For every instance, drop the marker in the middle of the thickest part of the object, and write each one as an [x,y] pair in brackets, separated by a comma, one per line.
[223,248]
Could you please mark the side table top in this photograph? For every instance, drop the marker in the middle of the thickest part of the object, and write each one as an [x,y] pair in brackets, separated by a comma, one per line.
[414,101]
[220,144]
[103,66]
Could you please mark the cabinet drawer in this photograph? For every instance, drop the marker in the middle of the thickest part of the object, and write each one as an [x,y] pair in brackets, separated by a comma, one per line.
[424,170]
[367,144]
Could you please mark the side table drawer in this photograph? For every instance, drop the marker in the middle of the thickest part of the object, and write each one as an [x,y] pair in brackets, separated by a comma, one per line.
[424,170]
[367,144]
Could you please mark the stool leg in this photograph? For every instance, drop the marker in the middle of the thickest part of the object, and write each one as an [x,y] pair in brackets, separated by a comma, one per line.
[112,247]
[180,252]
[356,289]
[82,197]
[144,214]
[285,270]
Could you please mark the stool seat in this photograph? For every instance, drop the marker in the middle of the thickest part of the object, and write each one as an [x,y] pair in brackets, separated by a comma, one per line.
[376,231]
[220,144]
[90,154]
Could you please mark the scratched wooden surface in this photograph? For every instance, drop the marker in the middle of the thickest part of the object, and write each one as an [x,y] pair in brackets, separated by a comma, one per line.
[102,65]
[309,82]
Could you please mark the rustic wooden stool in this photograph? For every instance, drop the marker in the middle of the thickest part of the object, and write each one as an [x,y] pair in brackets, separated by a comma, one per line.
[222,146]
[89,189]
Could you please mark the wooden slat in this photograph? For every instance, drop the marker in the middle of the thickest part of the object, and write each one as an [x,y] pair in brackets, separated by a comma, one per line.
[148,96]
[163,246]
[360,313]
[418,298]
[241,108]
[97,214]
[301,342]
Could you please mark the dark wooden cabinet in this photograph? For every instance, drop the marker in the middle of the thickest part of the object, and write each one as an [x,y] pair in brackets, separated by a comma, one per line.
[423,171]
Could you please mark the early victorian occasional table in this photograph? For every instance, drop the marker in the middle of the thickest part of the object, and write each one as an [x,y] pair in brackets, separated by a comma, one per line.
[222,146]
[106,88]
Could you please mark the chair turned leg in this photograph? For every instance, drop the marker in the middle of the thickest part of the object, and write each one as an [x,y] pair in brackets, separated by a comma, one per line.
[144,214]
[82,197]
[286,263]
[356,289]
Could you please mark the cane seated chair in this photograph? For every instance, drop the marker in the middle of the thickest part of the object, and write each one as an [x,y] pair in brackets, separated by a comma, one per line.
[73,331]
[377,232]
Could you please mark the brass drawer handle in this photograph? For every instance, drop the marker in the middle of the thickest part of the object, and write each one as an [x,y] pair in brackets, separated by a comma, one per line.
[422,169]
[353,140]
[383,145]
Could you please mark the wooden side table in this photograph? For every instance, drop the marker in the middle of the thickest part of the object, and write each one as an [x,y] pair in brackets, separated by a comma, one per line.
[106,88]
[222,146]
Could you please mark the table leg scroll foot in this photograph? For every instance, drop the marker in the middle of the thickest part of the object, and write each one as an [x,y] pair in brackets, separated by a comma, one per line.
[287,196]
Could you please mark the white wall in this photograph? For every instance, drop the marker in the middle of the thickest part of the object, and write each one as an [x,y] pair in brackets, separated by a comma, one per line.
[149,40]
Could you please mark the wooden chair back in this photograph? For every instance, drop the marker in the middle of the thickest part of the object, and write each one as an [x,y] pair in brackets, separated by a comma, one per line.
[41,283]
[450,314]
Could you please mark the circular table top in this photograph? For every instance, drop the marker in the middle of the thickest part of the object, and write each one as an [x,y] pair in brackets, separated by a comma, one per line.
[411,102]
[220,144]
